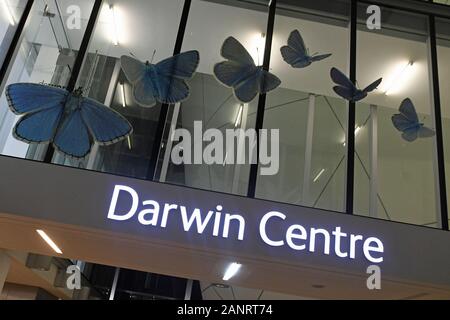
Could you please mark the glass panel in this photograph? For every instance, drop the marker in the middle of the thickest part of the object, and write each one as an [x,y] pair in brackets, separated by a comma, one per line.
[211,103]
[10,14]
[46,54]
[443,50]
[394,173]
[142,29]
[311,119]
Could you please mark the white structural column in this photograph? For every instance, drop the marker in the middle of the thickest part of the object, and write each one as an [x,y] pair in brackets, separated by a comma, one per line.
[373,155]
[308,149]
[4,268]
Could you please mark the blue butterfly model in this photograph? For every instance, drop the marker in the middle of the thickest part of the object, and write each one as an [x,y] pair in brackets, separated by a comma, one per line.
[68,120]
[241,73]
[408,123]
[347,90]
[163,82]
[297,55]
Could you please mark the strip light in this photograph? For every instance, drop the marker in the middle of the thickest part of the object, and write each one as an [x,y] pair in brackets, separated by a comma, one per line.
[319,175]
[49,241]
[115,26]
[122,92]
[232,270]
[399,78]
[8,12]
[238,121]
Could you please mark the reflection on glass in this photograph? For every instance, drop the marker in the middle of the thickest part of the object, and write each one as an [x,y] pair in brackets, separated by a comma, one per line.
[394,178]
[145,30]
[211,102]
[311,119]
[443,50]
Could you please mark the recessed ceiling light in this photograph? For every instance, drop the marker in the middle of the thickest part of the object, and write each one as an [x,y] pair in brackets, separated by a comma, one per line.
[231,271]
[49,241]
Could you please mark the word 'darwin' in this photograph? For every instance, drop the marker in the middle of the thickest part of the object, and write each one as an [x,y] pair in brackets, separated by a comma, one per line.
[273,231]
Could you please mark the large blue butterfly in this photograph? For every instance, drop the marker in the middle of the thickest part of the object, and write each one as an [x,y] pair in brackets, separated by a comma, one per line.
[347,90]
[68,120]
[407,122]
[241,73]
[163,82]
[296,54]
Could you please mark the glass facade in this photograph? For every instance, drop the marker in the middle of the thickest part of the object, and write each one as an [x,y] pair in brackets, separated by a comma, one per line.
[394,179]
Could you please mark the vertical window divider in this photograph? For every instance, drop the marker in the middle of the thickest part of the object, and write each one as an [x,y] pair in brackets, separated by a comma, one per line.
[251,192]
[156,149]
[79,61]
[14,46]
[350,181]
[439,141]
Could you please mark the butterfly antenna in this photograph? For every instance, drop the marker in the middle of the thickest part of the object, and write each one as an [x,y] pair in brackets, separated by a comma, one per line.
[153,56]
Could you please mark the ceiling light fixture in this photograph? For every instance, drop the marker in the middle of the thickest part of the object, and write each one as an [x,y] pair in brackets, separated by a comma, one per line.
[319,175]
[49,241]
[399,77]
[122,92]
[114,25]
[232,270]
[238,121]
[8,12]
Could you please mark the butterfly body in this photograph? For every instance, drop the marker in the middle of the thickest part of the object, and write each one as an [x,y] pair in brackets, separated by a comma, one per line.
[241,74]
[68,120]
[297,55]
[164,82]
[407,122]
[347,90]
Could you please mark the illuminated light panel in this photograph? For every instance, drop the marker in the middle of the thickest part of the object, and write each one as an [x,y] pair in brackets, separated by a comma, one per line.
[319,175]
[8,13]
[400,77]
[231,271]
[114,25]
[238,121]
[122,92]
[49,241]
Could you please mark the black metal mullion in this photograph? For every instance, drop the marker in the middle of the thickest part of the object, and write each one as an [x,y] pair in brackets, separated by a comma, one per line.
[438,125]
[262,99]
[79,61]
[153,166]
[15,41]
[351,113]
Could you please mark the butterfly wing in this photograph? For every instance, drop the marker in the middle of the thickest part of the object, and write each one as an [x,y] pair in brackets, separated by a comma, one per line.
[341,79]
[182,65]
[39,126]
[144,92]
[295,41]
[425,132]
[268,82]
[401,123]
[373,86]
[320,57]
[409,111]
[106,125]
[247,90]
[72,137]
[233,50]
[31,97]
[42,107]
[411,134]
[231,73]
[170,85]
[134,69]
[344,92]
